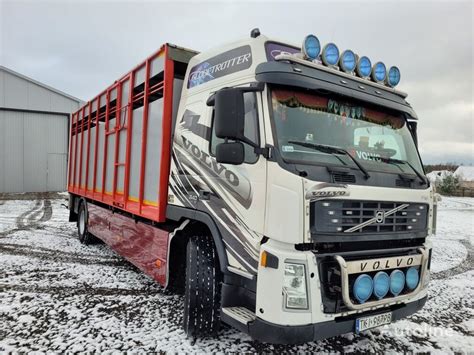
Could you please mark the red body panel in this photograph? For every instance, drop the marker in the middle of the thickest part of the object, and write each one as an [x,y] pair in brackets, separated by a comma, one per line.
[111,107]
[140,243]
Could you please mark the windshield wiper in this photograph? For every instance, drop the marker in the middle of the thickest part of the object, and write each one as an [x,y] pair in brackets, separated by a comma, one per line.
[399,161]
[332,150]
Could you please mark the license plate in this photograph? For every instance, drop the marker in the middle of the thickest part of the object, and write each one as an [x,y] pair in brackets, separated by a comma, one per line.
[372,321]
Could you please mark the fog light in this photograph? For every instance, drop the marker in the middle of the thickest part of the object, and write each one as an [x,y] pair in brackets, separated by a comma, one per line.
[381,284]
[397,282]
[294,286]
[363,287]
[412,278]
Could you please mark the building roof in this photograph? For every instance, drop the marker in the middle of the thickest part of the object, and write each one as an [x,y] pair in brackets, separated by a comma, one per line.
[465,173]
[24,77]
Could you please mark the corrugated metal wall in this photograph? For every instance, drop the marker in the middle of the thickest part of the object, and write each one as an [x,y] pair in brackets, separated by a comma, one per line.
[34,123]
[33,152]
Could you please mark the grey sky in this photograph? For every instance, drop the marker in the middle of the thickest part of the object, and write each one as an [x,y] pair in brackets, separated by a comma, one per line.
[81,47]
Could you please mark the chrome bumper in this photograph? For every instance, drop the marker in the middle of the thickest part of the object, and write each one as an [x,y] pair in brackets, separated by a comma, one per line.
[346,270]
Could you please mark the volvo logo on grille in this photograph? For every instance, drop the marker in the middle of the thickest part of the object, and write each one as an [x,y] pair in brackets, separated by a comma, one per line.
[379,217]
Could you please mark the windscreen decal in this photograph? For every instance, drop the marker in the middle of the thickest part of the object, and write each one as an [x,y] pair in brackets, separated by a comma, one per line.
[226,63]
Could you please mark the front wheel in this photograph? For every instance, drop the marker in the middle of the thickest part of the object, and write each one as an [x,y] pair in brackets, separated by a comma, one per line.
[202,288]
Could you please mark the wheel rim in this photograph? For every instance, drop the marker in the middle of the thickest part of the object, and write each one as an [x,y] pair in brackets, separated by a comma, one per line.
[82,222]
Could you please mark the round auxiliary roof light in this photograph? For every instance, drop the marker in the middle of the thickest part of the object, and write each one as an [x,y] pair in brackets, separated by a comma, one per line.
[393,77]
[379,72]
[330,54]
[348,61]
[311,47]
[364,67]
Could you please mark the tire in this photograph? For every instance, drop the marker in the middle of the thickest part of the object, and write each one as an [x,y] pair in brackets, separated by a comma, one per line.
[202,288]
[82,219]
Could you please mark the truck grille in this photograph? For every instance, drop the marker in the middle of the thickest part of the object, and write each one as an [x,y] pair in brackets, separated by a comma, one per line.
[349,216]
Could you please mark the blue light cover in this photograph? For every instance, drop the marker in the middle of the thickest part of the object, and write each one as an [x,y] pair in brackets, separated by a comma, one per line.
[413,277]
[330,54]
[379,71]
[381,284]
[363,287]
[311,47]
[364,67]
[397,282]
[348,61]
[393,76]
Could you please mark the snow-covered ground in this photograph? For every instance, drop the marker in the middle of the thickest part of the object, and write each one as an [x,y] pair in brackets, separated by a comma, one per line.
[58,295]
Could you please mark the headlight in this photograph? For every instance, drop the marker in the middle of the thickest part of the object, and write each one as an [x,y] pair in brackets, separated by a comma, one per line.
[294,286]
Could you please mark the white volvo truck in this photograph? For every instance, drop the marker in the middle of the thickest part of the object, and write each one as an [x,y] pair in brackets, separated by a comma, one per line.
[297,206]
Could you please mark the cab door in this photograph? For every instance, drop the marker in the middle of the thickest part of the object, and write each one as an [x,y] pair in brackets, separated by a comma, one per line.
[236,194]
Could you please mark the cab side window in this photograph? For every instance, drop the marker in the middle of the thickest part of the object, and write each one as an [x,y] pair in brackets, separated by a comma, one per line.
[250,132]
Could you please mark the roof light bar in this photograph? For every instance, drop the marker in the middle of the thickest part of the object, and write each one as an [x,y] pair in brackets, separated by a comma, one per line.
[348,62]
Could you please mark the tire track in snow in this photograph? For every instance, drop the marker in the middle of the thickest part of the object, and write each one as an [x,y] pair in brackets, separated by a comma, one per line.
[84,290]
[56,255]
[465,265]
[29,219]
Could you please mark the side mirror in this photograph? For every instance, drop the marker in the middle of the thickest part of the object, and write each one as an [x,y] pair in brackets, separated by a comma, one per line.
[229,114]
[230,153]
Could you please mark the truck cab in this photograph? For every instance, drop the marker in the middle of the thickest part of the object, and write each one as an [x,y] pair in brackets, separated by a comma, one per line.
[306,172]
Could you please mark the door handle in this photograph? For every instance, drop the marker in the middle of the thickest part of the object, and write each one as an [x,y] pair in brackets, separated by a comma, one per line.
[204,195]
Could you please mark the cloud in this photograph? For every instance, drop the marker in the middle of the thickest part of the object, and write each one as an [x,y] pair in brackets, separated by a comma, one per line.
[81,47]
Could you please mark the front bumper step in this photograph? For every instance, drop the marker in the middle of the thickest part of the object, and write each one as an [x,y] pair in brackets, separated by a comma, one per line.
[264,331]
[241,314]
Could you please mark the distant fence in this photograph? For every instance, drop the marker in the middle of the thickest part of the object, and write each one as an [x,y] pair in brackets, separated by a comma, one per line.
[463,192]
[459,192]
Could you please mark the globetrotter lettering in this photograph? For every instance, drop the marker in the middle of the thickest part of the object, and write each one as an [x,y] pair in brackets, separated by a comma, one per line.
[199,74]
[223,64]
[211,163]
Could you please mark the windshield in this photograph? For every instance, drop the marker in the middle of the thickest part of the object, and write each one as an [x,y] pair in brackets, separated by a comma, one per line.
[378,140]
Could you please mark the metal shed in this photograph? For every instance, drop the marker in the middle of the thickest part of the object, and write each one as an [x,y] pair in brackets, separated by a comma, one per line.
[34,125]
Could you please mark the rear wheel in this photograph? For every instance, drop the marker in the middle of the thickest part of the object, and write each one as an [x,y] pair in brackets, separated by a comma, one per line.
[83,233]
[202,288]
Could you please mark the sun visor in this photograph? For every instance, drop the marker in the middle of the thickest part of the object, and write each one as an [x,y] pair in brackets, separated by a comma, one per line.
[295,74]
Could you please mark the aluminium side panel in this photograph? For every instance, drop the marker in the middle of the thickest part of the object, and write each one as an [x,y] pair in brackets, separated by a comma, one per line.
[85,144]
[78,156]
[109,175]
[100,156]
[90,178]
[153,152]
[135,153]
[72,158]
[121,153]
[125,92]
